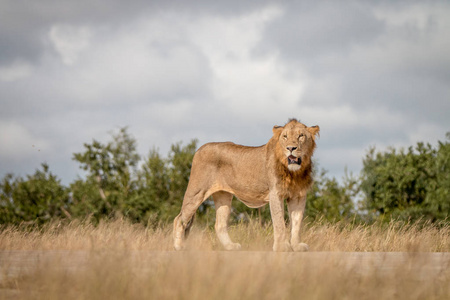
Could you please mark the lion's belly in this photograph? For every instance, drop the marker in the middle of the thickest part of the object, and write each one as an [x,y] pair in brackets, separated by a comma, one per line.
[253,204]
[249,197]
[253,200]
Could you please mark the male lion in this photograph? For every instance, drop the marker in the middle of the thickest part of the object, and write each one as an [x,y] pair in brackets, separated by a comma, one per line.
[278,170]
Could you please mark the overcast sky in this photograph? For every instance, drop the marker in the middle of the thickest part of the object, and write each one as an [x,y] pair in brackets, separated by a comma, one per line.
[369,73]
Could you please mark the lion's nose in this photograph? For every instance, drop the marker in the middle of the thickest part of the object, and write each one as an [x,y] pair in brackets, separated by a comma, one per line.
[291,148]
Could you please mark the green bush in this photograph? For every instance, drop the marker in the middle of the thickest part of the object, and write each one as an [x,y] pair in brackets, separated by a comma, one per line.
[408,185]
[36,199]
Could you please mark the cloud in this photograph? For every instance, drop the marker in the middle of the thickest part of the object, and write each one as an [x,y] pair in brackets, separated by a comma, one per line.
[309,30]
[143,61]
[15,71]
[244,85]
[24,26]
[379,59]
[160,75]
[366,73]
[17,141]
[69,41]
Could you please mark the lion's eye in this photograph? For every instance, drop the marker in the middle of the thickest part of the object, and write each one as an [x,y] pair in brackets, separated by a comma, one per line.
[301,136]
[285,137]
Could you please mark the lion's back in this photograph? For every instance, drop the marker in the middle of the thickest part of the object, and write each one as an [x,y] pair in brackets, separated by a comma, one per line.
[227,153]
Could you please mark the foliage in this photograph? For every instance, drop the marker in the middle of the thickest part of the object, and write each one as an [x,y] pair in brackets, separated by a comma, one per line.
[407,185]
[115,186]
[163,182]
[330,200]
[111,181]
[412,184]
[38,198]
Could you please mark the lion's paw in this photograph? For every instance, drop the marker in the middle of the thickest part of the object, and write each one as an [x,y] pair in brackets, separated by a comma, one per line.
[178,244]
[233,246]
[282,247]
[178,247]
[300,247]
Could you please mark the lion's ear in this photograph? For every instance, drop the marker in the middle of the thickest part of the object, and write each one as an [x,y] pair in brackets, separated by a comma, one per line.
[314,130]
[277,129]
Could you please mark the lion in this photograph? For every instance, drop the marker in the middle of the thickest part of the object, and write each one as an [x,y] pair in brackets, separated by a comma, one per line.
[269,174]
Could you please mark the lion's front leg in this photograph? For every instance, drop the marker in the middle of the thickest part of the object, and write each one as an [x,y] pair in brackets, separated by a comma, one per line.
[280,242]
[222,202]
[296,208]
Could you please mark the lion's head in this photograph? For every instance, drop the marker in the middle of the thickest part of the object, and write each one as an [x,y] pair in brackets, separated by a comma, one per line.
[295,144]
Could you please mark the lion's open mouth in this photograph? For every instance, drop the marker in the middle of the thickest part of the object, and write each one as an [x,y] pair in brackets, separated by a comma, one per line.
[292,160]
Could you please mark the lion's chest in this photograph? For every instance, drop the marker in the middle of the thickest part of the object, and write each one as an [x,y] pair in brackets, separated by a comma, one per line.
[293,186]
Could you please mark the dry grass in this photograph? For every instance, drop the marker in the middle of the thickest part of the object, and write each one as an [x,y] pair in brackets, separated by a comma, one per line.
[118,260]
[320,236]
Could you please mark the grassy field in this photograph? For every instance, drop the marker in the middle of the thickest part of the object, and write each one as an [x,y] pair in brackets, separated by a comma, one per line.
[119,260]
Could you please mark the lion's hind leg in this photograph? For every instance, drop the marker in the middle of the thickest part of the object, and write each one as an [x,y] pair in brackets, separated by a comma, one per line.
[181,230]
[222,202]
[179,234]
[183,222]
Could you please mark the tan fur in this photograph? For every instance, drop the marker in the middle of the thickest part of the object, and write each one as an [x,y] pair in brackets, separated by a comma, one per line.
[256,176]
